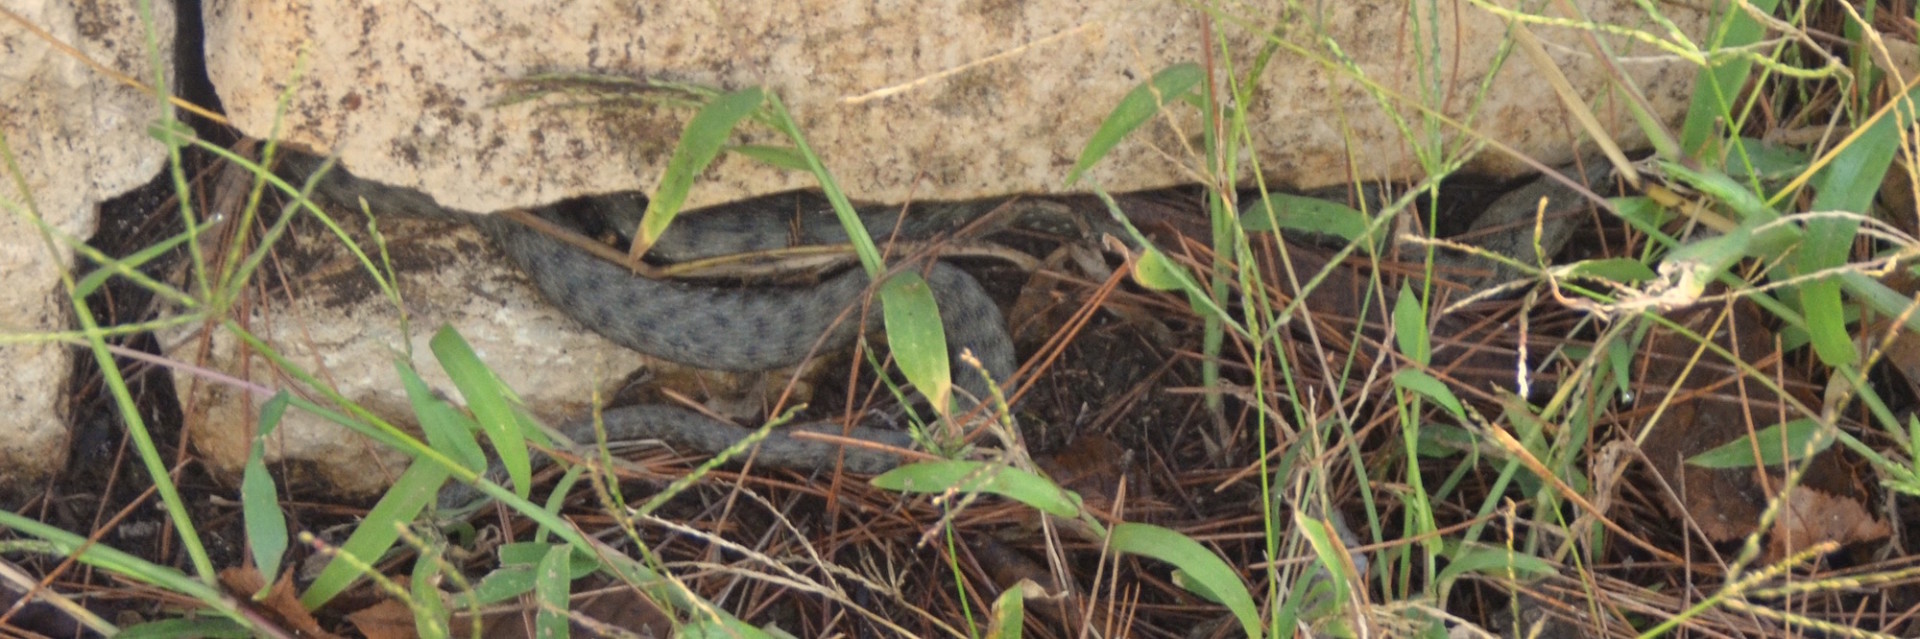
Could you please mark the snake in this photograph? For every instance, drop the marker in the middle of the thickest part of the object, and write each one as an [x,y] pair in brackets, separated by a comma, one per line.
[756,328]
[728,328]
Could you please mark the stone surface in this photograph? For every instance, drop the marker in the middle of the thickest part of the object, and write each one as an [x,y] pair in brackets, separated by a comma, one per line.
[79,138]
[945,100]
[331,319]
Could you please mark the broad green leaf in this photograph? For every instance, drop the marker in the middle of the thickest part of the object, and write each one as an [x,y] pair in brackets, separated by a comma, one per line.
[1425,385]
[491,403]
[1139,105]
[505,582]
[447,429]
[1767,162]
[551,587]
[1331,559]
[417,486]
[1620,357]
[1410,327]
[1848,183]
[1796,435]
[1308,214]
[1880,298]
[1644,215]
[1693,266]
[1746,205]
[1156,272]
[1500,563]
[1010,612]
[982,477]
[702,140]
[1438,441]
[260,498]
[785,157]
[1200,568]
[532,553]
[1718,87]
[429,612]
[919,341]
[520,570]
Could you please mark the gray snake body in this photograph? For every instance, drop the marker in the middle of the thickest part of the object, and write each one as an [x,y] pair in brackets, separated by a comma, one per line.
[751,329]
[734,329]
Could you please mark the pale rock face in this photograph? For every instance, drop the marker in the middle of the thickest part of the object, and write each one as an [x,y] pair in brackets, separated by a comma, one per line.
[327,316]
[78,138]
[332,322]
[987,97]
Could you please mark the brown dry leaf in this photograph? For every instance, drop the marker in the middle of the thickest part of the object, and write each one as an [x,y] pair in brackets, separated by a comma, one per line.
[1713,405]
[388,619]
[1810,517]
[1093,466]
[281,603]
[605,609]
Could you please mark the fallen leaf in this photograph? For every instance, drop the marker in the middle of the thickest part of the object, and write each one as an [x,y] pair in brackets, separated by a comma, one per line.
[387,619]
[1714,405]
[281,602]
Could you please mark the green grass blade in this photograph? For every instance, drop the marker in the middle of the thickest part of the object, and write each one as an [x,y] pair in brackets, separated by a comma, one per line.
[1426,385]
[863,246]
[1410,327]
[446,429]
[260,498]
[550,589]
[919,341]
[430,615]
[1768,162]
[1849,184]
[1138,106]
[1880,298]
[700,143]
[60,543]
[1698,264]
[1779,443]
[1311,215]
[1199,566]
[1330,557]
[972,476]
[490,402]
[187,629]
[1715,88]
[1494,561]
[1745,203]
[522,567]
[1009,612]
[416,488]
[785,157]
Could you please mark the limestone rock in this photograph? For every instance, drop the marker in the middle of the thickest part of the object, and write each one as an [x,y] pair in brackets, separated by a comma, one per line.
[946,100]
[79,138]
[331,320]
